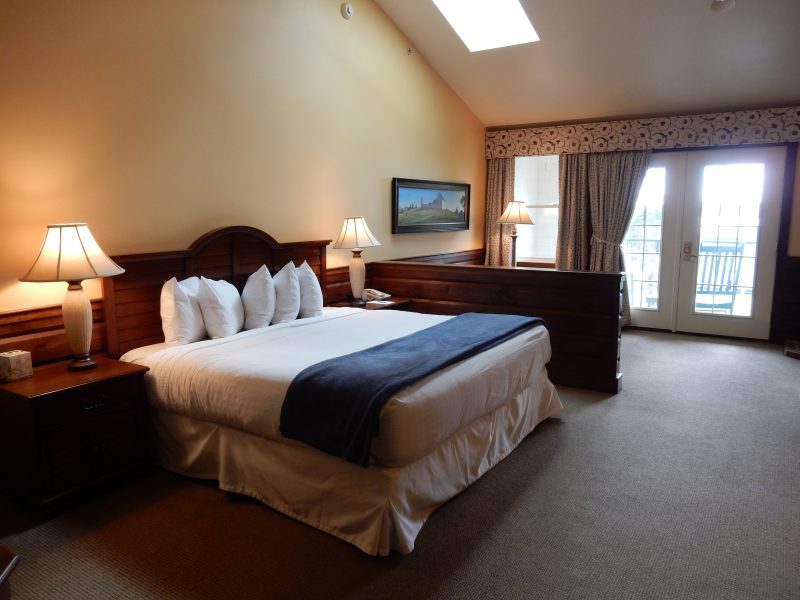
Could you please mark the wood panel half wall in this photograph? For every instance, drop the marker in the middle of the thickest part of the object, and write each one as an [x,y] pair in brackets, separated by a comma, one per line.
[338,285]
[462,257]
[40,331]
[582,310]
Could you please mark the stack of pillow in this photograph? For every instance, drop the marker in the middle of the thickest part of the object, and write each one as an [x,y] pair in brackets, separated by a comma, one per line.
[196,308]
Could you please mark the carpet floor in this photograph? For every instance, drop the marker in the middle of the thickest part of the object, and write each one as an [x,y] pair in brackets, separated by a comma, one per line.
[686,485]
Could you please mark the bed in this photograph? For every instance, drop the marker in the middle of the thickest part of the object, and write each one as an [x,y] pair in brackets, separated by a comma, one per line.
[216,403]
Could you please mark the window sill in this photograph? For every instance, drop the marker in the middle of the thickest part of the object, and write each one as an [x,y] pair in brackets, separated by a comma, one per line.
[538,263]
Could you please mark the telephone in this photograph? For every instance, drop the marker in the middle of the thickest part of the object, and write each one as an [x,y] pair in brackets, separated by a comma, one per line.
[370,294]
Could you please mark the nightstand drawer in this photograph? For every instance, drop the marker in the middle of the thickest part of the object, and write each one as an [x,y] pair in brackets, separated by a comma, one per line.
[64,431]
[74,455]
[84,402]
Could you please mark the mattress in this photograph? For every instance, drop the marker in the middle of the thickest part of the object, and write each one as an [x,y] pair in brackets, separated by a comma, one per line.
[240,381]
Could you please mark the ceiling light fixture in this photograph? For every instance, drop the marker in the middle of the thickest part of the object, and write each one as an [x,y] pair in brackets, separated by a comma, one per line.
[722,5]
[488,24]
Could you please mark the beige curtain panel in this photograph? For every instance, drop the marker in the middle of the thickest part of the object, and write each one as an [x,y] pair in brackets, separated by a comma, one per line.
[598,196]
[574,221]
[614,182]
[499,192]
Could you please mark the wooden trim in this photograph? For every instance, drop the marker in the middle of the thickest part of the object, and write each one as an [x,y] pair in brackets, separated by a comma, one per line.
[785,323]
[582,310]
[785,319]
[40,331]
[536,264]
[338,289]
[462,257]
[131,300]
[31,320]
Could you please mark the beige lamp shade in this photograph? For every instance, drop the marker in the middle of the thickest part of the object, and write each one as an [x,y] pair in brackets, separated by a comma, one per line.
[70,253]
[355,234]
[515,214]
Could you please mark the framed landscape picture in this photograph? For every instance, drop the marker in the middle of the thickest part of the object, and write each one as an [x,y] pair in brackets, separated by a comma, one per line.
[419,205]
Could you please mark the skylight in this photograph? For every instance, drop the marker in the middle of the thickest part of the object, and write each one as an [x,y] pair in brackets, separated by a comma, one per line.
[487,24]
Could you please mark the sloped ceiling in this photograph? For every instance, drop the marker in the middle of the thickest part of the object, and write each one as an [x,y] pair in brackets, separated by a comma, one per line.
[618,58]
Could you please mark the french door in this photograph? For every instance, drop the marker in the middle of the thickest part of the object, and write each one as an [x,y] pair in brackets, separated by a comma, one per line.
[700,252]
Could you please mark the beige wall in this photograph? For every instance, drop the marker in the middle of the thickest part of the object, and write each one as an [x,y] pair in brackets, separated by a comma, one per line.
[155,121]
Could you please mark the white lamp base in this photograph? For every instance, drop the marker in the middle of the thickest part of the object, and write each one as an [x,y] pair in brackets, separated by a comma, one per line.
[358,274]
[77,311]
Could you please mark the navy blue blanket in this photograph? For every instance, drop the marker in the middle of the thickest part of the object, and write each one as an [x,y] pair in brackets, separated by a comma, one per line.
[335,405]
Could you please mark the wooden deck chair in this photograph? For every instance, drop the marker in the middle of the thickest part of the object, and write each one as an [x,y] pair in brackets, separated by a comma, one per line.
[718,268]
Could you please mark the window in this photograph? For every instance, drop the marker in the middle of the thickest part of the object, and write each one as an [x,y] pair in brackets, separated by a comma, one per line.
[536,184]
[642,243]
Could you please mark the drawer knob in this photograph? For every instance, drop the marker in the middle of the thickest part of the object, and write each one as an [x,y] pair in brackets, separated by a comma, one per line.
[90,404]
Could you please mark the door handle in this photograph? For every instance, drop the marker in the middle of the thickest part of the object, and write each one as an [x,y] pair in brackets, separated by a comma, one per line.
[686,252]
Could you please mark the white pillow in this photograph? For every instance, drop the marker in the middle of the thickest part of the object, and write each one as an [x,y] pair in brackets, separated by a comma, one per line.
[258,297]
[287,295]
[310,292]
[181,319]
[222,308]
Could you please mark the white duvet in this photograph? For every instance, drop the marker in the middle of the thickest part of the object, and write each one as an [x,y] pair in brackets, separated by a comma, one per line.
[240,381]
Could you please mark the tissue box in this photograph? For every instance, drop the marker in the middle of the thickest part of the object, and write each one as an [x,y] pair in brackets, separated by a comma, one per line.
[15,364]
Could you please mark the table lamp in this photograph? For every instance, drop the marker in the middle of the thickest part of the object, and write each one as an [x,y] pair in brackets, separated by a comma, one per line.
[515,214]
[70,253]
[356,236]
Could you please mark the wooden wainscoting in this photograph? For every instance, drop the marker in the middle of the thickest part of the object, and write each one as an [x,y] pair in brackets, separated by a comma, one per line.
[338,286]
[40,331]
[785,324]
[582,310]
[463,257]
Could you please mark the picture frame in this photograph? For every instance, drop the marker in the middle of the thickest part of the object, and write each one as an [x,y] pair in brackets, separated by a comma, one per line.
[419,205]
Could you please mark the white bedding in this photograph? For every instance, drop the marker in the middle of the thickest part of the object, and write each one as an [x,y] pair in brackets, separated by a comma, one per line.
[240,381]
[216,417]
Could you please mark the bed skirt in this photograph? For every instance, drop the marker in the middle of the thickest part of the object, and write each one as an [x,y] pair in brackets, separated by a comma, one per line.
[378,509]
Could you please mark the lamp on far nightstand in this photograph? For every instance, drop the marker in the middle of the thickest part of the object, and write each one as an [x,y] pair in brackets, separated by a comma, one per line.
[356,236]
[70,253]
[515,214]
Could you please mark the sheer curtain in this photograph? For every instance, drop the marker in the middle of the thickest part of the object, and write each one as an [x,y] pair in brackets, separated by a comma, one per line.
[598,196]
[499,191]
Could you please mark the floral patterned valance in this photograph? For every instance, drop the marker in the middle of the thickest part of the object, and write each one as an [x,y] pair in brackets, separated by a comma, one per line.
[766,126]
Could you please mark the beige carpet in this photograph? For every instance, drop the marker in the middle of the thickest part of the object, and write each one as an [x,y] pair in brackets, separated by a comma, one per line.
[685,485]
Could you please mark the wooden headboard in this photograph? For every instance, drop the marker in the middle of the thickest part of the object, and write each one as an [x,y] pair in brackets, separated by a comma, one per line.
[131,301]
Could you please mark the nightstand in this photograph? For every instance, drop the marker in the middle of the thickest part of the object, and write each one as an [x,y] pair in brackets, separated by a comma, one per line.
[63,431]
[388,304]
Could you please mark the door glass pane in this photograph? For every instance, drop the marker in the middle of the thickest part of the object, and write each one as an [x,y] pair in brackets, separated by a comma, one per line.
[731,198]
[642,243]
